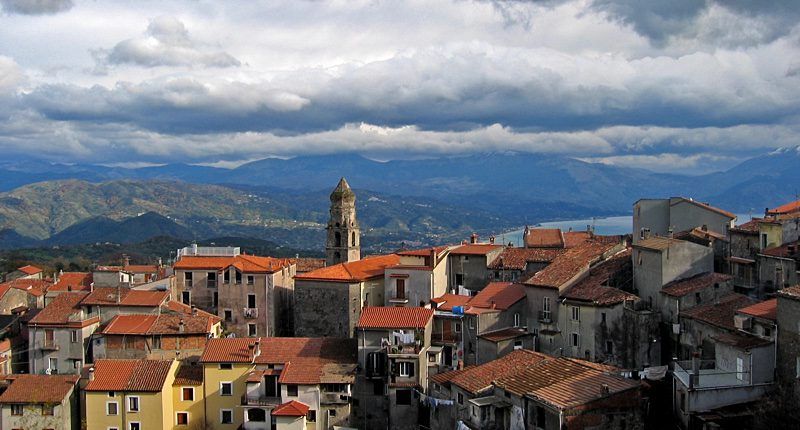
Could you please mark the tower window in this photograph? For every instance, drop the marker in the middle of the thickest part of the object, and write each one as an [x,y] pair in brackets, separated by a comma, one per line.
[337,239]
[354,239]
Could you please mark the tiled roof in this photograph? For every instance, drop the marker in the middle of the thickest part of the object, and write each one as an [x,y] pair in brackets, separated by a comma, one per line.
[504,334]
[749,227]
[499,295]
[787,208]
[30,270]
[447,301]
[594,288]
[704,206]
[64,309]
[699,282]
[183,308]
[242,262]
[391,317]
[720,314]
[38,388]
[34,287]
[767,309]
[354,271]
[563,382]
[446,377]
[141,268]
[422,252]
[308,264]
[165,324]
[73,281]
[306,360]
[518,258]
[741,340]
[188,375]
[125,297]
[129,375]
[109,269]
[544,238]
[790,292]
[657,243]
[570,264]
[783,250]
[475,379]
[575,238]
[475,249]
[292,408]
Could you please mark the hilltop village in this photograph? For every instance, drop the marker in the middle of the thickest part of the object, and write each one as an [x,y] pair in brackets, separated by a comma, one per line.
[689,322]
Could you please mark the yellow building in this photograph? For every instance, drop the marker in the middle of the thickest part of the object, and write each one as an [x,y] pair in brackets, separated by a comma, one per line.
[131,395]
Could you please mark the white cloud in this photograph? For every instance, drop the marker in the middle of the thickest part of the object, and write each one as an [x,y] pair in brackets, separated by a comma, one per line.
[36,7]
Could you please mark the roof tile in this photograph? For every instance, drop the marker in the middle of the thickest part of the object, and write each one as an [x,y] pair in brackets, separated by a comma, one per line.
[292,408]
[721,313]
[392,317]
[129,375]
[699,282]
[38,388]
[354,271]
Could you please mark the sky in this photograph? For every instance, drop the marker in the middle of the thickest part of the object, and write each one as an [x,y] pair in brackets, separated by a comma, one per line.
[689,86]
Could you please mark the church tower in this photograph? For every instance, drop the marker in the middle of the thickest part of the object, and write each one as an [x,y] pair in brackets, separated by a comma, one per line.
[344,237]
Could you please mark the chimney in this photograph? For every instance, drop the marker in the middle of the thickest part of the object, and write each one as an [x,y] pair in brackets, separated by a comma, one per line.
[91,287]
[473,239]
[119,295]
[181,326]
[194,310]
[91,373]
[604,389]
[491,240]
[494,305]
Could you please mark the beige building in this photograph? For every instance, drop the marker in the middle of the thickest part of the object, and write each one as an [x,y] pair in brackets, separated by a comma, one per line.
[40,402]
[420,276]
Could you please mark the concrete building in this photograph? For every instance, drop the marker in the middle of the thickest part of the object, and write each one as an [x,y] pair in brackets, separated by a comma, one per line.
[744,246]
[788,337]
[420,276]
[394,356]
[778,267]
[328,301]
[701,324]
[34,293]
[40,402]
[25,272]
[12,296]
[343,243]
[660,217]
[468,266]
[112,277]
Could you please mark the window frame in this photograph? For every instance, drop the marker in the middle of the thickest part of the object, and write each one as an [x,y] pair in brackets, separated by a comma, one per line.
[116,408]
[177,421]
[222,416]
[21,410]
[129,404]
[292,388]
[183,394]
[223,384]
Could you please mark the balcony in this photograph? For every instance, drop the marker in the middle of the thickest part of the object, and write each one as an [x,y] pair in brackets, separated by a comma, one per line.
[260,400]
[50,345]
[708,376]
[411,349]
[399,300]
[250,313]
[545,317]
[445,337]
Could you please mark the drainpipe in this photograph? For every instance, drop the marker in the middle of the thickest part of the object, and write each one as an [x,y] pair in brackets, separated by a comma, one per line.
[775,353]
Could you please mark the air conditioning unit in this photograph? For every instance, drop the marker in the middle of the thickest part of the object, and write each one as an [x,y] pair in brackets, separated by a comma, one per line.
[676,329]
[742,322]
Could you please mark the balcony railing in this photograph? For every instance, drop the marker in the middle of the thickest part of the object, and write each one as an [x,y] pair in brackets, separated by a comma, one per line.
[708,375]
[545,317]
[50,345]
[259,400]
[250,313]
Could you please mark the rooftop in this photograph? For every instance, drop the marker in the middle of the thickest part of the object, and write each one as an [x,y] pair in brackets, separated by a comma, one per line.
[243,263]
[30,270]
[498,295]
[34,287]
[64,309]
[767,309]
[188,375]
[73,281]
[475,379]
[518,258]
[571,263]
[544,238]
[354,271]
[475,249]
[695,283]
[504,334]
[677,200]
[392,317]
[749,227]
[785,209]
[741,340]
[38,388]
[163,324]
[658,243]
[595,287]
[129,375]
[790,292]
[303,265]
[125,297]
[292,408]
[783,250]
[720,314]
[447,301]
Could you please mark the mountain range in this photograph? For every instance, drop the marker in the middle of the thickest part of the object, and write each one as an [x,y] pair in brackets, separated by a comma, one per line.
[416,201]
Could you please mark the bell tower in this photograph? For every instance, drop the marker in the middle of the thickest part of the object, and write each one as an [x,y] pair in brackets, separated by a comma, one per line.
[344,236]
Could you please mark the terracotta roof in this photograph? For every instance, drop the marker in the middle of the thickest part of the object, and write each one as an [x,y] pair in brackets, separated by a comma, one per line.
[704,206]
[749,227]
[787,208]
[657,243]
[475,379]
[38,388]
[446,377]
[34,287]
[306,360]
[767,309]
[504,334]
[308,264]
[141,268]
[129,375]
[498,295]
[64,309]
[563,382]
[188,375]
[73,281]
[182,308]
[720,314]
[790,292]
[292,408]
[422,252]
[699,282]
[741,340]
[595,289]
[30,270]
[242,262]
[447,301]
[164,324]
[391,317]
[783,250]
[109,269]
[125,297]
[518,258]
[570,264]
[544,238]
[475,249]
[354,271]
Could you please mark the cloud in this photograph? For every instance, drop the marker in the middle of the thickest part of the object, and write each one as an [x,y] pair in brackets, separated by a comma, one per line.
[165,43]
[11,76]
[36,7]
[695,164]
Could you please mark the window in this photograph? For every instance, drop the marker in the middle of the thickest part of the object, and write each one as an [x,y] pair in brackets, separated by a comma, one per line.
[603,317]
[797,368]
[211,280]
[226,276]
[460,399]
[53,365]
[763,241]
[134,426]
[73,336]
[187,279]
[471,323]
[251,330]
[251,301]
[400,288]
[133,404]
[767,332]
[238,277]
[405,368]
[697,298]
[457,327]
[516,319]
[291,390]
[112,394]
[312,416]
[353,239]
[378,388]
[186,298]
[226,416]
[228,315]
[251,279]
[225,366]
[182,418]
[332,413]
[187,393]
[546,304]
[739,369]
[156,342]
[214,300]
[575,339]
[609,347]
[403,397]
[225,388]
[112,408]
[16,410]
[576,313]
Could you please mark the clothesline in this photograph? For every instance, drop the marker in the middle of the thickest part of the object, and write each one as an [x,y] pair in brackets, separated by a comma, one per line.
[433,401]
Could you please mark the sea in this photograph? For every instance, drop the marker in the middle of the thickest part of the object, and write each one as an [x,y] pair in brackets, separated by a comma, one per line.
[602,226]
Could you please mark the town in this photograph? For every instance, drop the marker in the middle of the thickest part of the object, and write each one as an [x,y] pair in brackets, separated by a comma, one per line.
[689,321]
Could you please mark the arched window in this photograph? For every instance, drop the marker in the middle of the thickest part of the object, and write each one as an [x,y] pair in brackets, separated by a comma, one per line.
[354,238]
[337,239]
